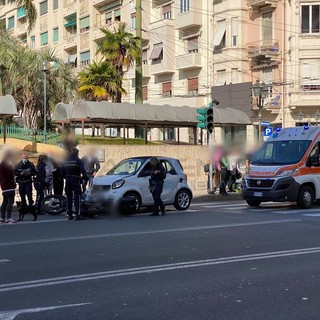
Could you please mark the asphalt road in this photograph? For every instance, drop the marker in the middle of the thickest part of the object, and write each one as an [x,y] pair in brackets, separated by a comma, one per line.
[219,260]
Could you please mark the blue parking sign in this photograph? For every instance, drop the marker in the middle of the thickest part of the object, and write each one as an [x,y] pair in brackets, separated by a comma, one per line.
[267,132]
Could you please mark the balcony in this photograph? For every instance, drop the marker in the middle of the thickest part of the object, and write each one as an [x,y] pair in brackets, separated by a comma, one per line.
[84,7]
[70,8]
[257,4]
[267,48]
[145,72]
[100,3]
[70,42]
[191,17]
[189,61]
[164,66]
[22,28]
[98,34]
[84,41]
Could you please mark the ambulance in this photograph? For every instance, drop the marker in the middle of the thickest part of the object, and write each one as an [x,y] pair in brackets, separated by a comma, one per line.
[286,168]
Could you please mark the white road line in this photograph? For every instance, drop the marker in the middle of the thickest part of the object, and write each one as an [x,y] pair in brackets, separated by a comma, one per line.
[4,260]
[151,269]
[216,203]
[226,206]
[125,234]
[312,214]
[12,314]
[22,223]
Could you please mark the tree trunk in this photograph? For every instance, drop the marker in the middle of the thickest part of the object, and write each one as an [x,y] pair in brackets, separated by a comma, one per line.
[93,128]
[102,131]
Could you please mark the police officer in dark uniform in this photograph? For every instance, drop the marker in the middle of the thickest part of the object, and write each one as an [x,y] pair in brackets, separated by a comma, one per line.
[74,172]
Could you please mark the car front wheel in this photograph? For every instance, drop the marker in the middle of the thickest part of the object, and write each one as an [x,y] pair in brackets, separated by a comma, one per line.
[183,200]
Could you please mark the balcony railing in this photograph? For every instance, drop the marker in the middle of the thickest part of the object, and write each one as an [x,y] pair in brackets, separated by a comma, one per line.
[70,42]
[256,4]
[263,48]
[70,8]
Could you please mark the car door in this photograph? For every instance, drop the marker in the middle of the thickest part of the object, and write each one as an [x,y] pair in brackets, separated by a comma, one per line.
[315,170]
[170,183]
[143,180]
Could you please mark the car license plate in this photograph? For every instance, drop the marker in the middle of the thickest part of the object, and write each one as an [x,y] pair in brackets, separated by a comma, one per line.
[257,194]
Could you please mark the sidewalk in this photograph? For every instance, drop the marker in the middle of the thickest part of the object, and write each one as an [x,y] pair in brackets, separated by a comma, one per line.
[202,196]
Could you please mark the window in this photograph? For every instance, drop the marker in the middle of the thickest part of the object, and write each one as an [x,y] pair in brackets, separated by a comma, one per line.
[33,42]
[310,22]
[145,92]
[145,57]
[267,26]
[133,21]
[117,15]
[43,8]
[267,75]
[55,4]
[221,77]
[234,32]
[157,52]
[84,24]
[310,74]
[11,23]
[193,44]
[169,167]
[184,6]
[55,35]
[44,38]
[193,86]
[21,12]
[108,18]
[85,58]
[166,12]
[167,90]
[219,40]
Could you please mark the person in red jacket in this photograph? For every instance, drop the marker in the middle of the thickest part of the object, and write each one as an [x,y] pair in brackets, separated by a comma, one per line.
[8,186]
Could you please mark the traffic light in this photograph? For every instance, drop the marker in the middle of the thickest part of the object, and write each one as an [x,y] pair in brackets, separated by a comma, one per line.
[210,120]
[202,118]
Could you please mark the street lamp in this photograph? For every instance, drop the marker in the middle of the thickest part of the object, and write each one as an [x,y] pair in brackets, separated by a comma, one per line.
[260,91]
[300,117]
[45,69]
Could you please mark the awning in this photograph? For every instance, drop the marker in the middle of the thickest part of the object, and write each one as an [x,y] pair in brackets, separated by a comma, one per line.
[156,51]
[71,23]
[8,107]
[72,58]
[62,112]
[221,30]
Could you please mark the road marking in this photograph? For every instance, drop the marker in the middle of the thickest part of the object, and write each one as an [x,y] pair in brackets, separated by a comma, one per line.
[226,205]
[12,314]
[151,269]
[125,234]
[22,223]
[312,215]
[4,260]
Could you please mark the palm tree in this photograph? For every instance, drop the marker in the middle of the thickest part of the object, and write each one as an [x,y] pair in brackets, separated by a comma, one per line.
[31,11]
[99,82]
[120,48]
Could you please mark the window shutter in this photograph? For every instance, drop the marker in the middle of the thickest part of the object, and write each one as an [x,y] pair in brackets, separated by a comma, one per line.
[166,86]
[234,26]
[85,22]
[145,92]
[267,26]
[193,84]
[43,8]
[56,35]
[11,23]
[166,9]
[55,4]
[117,13]
[21,12]
[193,44]
[144,55]
[85,56]
[44,38]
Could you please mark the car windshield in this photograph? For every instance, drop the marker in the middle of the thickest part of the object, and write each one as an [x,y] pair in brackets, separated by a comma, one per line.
[127,167]
[281,152]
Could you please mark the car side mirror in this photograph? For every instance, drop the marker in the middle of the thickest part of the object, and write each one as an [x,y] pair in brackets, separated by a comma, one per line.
[315,161]
[145,173]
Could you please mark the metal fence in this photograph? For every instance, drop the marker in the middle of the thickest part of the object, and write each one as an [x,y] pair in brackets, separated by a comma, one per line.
[31,135]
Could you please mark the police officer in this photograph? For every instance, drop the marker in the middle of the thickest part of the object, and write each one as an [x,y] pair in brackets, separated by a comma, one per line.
[73,172]
[24,172]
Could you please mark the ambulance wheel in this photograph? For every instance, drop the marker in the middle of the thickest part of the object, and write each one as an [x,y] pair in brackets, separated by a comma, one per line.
[253,203]
[306,197]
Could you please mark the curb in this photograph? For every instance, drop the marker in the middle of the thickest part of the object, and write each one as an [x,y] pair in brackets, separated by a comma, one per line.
[217,197]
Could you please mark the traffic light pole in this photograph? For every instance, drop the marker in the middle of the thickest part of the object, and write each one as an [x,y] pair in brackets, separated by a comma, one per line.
[211,162]
[138,76]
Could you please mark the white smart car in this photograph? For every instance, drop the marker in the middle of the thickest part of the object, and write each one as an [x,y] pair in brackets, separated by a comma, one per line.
[130,180]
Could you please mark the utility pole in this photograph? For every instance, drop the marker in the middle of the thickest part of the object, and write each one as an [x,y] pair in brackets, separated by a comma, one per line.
[139,95]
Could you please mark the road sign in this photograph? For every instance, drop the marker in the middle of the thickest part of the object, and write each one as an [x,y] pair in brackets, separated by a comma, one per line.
[267,133]
[265,124]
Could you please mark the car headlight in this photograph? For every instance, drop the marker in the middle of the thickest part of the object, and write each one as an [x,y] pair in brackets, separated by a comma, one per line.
[118,184]
[287,173]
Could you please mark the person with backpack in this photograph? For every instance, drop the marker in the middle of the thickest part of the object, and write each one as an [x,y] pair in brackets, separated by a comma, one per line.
[158,175]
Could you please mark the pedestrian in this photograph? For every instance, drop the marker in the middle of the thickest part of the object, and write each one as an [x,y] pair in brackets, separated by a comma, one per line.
[233,166]
[92,166]
[74,172]
[49,175]
[217,169]
[8,186]
[57,179]
[24,172]
[40,182]
[158,175]
[224,175]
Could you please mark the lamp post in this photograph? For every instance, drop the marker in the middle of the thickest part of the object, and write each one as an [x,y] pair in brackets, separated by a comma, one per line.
[300,117]
[45,69]
[260,91]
